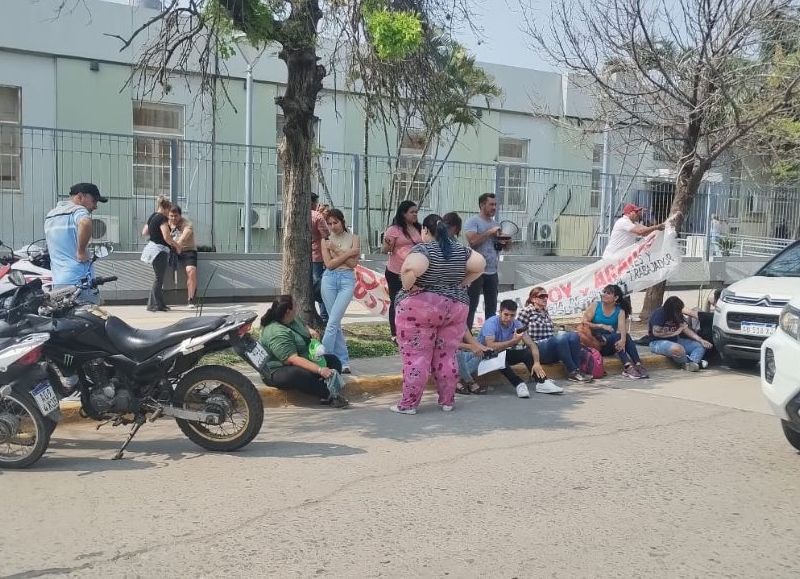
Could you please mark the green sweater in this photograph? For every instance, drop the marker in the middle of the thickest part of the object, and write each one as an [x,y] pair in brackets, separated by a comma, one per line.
[283,341]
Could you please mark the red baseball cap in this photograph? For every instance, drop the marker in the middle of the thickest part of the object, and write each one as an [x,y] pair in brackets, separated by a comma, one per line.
[631,208]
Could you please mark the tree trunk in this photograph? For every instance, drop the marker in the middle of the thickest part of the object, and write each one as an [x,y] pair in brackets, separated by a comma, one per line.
[304,81]
[688,184]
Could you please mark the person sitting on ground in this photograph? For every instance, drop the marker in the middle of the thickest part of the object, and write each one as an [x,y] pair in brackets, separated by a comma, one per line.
[564,347]
[469,355]
[504,333]
[608,320]
[672,337]
[290,366]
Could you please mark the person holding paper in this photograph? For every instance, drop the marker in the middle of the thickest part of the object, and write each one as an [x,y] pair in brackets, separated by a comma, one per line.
[504,333]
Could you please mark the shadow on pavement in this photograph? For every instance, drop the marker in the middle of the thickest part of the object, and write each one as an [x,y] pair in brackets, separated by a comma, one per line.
[177,449]
[500,410]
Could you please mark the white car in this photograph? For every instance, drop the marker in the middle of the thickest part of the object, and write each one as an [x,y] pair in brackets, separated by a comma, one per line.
[747,312]
[780,372]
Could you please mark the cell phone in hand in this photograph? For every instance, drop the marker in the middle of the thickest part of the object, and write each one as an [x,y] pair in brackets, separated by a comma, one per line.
[519,331]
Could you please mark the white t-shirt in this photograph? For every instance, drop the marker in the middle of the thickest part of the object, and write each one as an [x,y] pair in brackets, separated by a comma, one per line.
[621,238]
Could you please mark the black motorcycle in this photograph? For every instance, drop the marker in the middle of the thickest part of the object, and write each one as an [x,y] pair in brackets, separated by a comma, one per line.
[127,375]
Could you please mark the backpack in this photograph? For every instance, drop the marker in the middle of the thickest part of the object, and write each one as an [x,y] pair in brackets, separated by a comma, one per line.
[591,363]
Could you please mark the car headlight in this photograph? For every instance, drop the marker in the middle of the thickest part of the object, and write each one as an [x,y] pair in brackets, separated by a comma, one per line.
[726,293]
[790,322]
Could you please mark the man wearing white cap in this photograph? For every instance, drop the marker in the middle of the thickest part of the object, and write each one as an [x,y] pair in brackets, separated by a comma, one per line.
[627,230]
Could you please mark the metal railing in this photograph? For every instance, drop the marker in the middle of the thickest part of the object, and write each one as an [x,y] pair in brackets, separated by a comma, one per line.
[557,211]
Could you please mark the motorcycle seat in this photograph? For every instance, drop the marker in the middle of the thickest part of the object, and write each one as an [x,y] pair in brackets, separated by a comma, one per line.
[140,344]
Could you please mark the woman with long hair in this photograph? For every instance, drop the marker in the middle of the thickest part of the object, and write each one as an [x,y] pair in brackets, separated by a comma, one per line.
[398,239]
[157,252]
[340,252]
[432,312]
[564,347]
[672,337]
[290,365]
[453,222]
[608,320]
[182,233]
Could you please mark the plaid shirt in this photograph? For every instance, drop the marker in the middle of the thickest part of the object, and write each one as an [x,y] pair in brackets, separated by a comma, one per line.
[537,322]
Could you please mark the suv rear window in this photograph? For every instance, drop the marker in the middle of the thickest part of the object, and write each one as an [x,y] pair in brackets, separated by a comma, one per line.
[785,264]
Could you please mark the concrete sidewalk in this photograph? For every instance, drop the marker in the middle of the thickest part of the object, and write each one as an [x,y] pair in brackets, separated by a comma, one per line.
[371,376]
[375,376]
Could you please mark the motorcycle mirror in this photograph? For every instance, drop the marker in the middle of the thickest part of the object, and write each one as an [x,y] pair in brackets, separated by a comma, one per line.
[16,277]
[102,251]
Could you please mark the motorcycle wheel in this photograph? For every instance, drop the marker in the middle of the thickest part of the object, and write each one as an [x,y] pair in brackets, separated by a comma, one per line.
[24,432]
[221,389]
[792,435]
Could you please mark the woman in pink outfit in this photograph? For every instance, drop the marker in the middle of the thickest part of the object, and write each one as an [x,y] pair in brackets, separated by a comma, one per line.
[432,312]
[398,239]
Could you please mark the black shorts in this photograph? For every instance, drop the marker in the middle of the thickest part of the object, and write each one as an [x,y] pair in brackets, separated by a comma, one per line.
[187,258]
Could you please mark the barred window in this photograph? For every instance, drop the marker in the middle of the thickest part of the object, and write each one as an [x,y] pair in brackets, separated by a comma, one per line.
[155,127]
[10,138]
[512,172]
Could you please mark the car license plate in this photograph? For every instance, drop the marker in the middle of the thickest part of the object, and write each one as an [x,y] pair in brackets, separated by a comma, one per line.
[758,329]
[45,398]
[257,354]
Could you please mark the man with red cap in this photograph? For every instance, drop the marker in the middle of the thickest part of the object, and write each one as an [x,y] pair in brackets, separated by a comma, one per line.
[627,230]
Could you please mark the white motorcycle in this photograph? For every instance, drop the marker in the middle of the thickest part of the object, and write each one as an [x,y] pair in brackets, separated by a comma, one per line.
[33,260]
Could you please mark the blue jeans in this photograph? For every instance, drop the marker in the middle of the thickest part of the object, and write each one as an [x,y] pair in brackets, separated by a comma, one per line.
[682,351]
[467,365]
[629,355]
[564,347]
[317,269]
[337,293]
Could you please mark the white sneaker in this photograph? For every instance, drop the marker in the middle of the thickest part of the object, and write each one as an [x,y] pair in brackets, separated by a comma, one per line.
[703,364]
[522,391]
[447,408]
[691,367]
[396,408]
[548,387]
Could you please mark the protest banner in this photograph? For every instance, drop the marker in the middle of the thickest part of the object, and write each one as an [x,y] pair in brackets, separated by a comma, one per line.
[645,264]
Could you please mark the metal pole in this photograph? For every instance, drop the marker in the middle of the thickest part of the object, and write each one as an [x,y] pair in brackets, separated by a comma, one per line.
[174,182]
[354,218]
[603,182]
[709,250]
[248,163]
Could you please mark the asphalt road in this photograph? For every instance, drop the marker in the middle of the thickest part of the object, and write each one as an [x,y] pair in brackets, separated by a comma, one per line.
[682,475]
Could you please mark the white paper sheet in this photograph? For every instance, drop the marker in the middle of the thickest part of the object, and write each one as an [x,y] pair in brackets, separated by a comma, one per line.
[492,364]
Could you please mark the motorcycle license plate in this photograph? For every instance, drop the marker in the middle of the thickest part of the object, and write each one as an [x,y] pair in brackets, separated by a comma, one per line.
[257,355]
[758,329]
[45,398]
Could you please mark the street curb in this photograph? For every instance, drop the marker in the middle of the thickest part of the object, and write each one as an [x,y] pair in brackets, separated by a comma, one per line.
[361,387]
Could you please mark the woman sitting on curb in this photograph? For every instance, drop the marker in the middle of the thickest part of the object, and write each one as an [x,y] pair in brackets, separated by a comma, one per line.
[608,320]
[564,347]
[672,337]
[290,366]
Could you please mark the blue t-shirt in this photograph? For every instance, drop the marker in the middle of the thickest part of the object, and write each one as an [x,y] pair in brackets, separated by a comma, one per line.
[61,233]
[500,333]
[479,225]
[659,318]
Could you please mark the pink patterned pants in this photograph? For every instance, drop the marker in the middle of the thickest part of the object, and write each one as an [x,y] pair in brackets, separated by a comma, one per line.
[429,330]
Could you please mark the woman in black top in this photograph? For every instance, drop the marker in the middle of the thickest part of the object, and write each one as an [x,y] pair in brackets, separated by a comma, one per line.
[157,228]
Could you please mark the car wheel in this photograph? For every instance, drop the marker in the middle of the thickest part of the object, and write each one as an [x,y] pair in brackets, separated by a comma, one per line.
[791,434]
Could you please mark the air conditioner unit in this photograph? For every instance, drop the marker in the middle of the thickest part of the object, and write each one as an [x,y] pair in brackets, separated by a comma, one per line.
[544,231]
[259,218]
[105,228]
